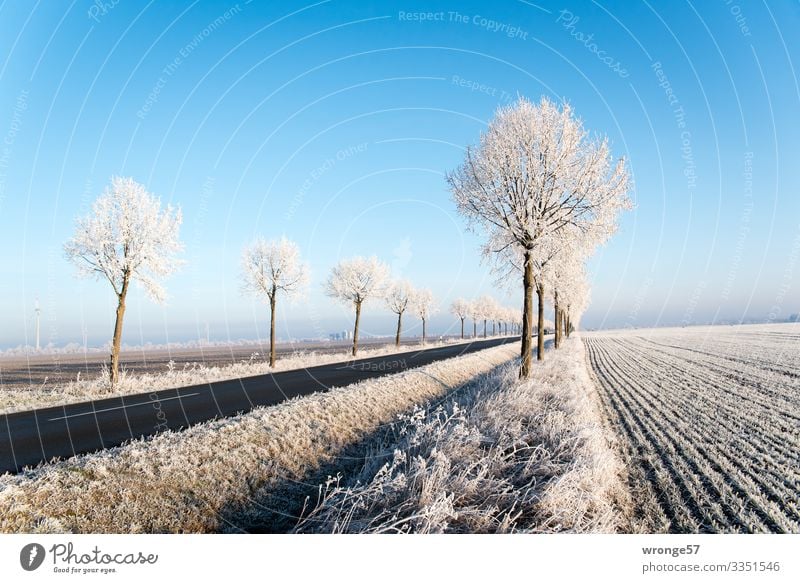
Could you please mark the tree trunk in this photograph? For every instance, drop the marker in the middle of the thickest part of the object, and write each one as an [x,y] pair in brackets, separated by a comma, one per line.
[272,328]
[423,330]
[527,317]
[399,328]
[462,328]
[493,332]
[540,339]
[355,329]
[474,328]
[556,321]
[484,328]
[117,341]
[507,329]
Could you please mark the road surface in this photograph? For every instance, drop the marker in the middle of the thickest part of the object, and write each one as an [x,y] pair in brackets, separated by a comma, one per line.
[30,437]
[19,371]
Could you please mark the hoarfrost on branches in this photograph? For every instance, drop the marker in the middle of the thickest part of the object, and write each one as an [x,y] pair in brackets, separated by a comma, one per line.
[269,267]
[535,181]
[354,281]
[126,237]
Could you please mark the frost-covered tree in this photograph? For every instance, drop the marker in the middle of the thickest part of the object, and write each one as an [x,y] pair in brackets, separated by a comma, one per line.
[269,268]
[398,298]
[574,299]
[508,319]
[424,306]
[478,312]
[460,308]
[535,173]
[557,279]
[126,237]
[474,315]
[485,307]
[565,279]
[354,281]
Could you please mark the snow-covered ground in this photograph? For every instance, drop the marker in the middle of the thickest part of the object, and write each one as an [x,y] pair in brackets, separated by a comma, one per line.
[217,475]
[709,420]
[499,456]
[194,373]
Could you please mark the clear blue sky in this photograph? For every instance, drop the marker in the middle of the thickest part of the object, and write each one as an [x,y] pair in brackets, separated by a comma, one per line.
[333,124]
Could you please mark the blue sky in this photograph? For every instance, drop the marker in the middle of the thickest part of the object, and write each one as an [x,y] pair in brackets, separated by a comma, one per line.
[333,123]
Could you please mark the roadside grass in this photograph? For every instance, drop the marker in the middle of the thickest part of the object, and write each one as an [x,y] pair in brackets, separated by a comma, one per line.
[202,479]
[498,456]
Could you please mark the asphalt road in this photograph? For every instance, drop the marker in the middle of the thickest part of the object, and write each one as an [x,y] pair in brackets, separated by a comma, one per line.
[31,437]
[19,371]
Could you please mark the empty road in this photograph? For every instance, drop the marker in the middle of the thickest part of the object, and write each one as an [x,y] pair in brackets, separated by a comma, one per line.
[30,437]
[18,371]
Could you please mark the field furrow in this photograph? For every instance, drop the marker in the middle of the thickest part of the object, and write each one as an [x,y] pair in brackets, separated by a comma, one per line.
[695,382]
[699,487]
[709,422]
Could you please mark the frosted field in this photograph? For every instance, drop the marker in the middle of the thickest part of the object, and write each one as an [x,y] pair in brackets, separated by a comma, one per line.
[709,422]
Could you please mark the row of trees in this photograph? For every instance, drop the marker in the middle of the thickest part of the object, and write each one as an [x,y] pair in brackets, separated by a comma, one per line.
[545,194]
[129,237]
[487,310]
[270,267]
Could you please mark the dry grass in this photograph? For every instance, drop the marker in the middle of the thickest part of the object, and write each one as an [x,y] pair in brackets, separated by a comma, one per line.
[203,479]
[498,456]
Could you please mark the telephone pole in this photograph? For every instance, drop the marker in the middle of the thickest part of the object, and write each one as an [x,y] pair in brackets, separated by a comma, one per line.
[38,315]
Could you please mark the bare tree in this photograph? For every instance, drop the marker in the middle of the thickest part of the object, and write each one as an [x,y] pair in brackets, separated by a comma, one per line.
[535,173]
[424,306]
[398,299]
[461,309]
[126,237]
[269,267]
[354,281]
